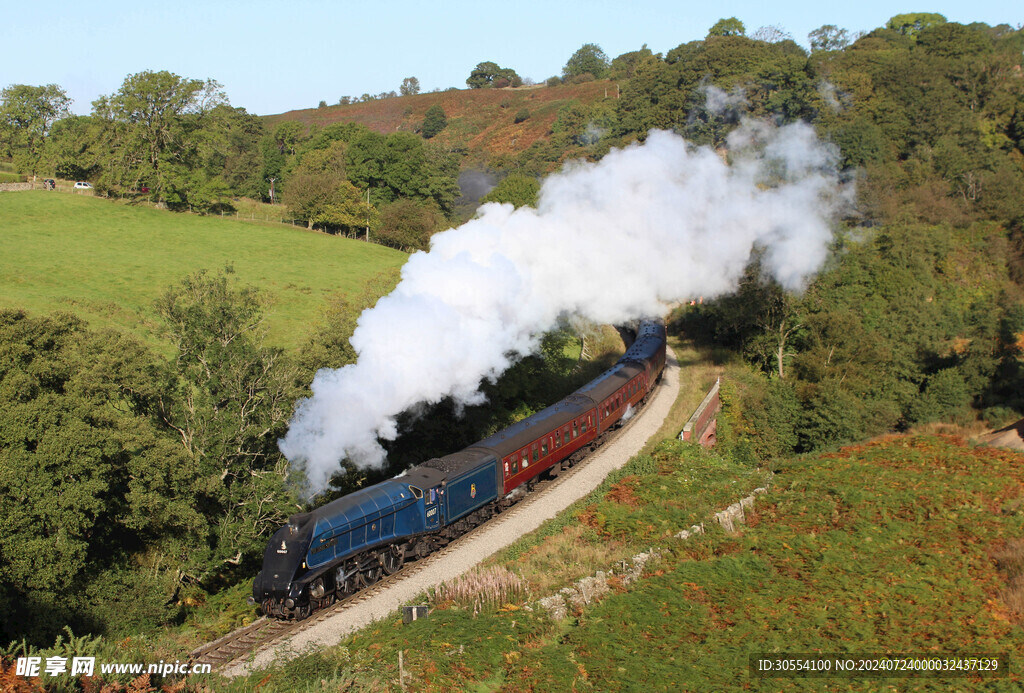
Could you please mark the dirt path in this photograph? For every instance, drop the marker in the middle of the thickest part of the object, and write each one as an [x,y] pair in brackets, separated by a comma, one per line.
[517,522]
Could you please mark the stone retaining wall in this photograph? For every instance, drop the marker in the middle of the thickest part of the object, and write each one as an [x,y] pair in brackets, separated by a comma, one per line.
[586,590]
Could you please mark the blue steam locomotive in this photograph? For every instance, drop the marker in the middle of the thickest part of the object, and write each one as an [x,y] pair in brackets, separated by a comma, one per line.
[351,542]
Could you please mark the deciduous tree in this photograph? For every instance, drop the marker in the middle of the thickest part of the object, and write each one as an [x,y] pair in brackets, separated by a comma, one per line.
[88,476]
[913,23]
[589,59]
[487,74]
[151,121]
[410,87]
[402,165]
[409,224]
[624,66]
[232,404]
[773,33]
[727,27]
[26,115]
[829,37]
[515,189]
[73,149]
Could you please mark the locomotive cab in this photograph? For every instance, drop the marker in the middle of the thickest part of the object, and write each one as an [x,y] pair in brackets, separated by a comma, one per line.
[428,486]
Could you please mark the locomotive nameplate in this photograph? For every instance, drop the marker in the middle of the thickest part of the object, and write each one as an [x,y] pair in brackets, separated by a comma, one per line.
[326,545]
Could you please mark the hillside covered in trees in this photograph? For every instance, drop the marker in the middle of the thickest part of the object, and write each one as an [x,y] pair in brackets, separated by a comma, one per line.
[160,478]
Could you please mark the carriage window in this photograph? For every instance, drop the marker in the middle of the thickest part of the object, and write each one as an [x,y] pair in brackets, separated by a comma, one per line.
[506,469]
[526,458]
[575,429]
[515,463]
[544,448]
[535,455]
[565,435]
[583,426]
[556,440]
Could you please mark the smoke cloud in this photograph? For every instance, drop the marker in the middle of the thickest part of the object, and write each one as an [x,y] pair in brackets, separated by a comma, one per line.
[722,103]
[473,185]
[611,241]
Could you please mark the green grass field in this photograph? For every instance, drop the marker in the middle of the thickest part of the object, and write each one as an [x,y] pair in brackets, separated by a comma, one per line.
[108,262]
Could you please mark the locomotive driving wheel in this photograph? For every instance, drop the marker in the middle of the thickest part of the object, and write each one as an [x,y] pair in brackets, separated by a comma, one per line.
[392,558]
[346,585]
[370,576]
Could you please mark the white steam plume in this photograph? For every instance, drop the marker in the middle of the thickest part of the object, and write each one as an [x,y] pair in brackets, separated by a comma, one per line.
[610,241]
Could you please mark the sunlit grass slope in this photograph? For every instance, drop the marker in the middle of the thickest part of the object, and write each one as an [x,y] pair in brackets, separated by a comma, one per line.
[108,262]
[907,544]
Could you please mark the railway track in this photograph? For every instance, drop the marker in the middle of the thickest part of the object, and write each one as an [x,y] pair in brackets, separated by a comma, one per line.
[267,632]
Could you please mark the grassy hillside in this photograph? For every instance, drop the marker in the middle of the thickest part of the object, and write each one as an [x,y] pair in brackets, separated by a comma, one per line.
[108,262]
[480,120]
[919,560]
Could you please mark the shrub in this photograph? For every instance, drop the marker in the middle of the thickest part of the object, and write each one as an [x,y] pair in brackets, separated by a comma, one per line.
[434,122]
[582,78]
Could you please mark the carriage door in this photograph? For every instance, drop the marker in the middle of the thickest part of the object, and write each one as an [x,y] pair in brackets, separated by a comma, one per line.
[432,502]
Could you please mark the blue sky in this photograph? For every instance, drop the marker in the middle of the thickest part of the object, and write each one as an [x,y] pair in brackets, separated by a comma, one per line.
[277,56]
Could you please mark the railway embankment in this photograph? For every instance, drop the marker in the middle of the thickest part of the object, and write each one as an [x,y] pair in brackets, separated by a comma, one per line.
[498,534]
[903,544]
